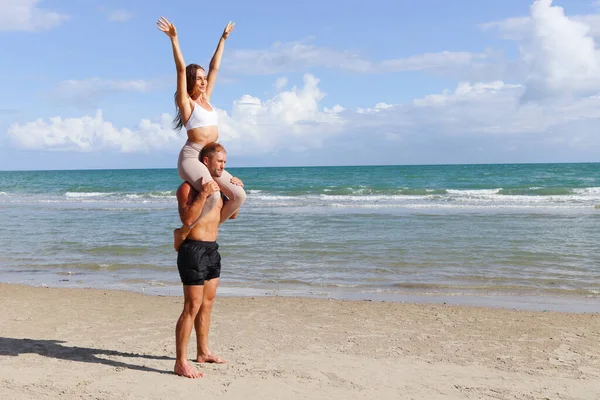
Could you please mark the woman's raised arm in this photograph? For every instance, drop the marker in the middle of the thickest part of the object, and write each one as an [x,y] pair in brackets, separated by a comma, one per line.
[215,62]
[182,97]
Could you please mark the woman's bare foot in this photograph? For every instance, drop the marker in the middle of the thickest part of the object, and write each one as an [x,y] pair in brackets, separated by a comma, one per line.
[210,358]
[185,369]
[178,238]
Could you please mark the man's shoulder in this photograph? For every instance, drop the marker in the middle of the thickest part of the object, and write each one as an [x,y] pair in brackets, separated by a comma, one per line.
[185,185]
[184,189]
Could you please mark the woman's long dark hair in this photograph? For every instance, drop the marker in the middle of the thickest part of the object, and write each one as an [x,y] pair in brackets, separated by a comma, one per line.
[190,76]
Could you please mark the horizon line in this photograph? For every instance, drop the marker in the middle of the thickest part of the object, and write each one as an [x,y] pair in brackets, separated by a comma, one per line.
[309,166]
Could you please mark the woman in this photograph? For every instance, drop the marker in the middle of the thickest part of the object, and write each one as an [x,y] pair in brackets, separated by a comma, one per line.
[198,116]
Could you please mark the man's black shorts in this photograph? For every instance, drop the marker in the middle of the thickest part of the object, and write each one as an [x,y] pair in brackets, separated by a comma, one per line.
[198,261]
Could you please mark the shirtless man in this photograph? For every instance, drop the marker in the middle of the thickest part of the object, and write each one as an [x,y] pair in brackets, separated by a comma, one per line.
[199,262]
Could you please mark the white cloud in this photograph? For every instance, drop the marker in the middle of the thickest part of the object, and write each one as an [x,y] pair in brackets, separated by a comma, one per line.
[475,122]
[25,15]
[298,56]
[561,55]
[487,118]
[119,16]
[295,121]
[546,23]
[514,28]
[292,119]
[93,134]
[429,61]
[558,52]
[88,91]
[484,107]
[378,108]
[493,109]
[559,64]
[280,83]
[521,28]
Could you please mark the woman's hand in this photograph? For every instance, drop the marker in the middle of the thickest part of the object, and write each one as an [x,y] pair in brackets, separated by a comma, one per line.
[237,181]
[228,29]
[168,28]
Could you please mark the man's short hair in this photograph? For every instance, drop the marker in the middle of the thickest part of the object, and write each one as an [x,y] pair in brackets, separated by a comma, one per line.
[210,149]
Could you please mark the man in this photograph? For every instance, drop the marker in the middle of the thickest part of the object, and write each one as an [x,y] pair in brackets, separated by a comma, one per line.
[199,263]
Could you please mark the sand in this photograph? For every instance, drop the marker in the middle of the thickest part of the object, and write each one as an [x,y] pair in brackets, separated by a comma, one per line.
[100,344]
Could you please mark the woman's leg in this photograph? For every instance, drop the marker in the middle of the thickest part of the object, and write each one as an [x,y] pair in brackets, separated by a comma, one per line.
[196,174]
[235,193]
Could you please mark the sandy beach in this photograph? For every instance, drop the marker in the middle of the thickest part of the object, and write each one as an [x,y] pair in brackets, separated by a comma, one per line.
[99,344]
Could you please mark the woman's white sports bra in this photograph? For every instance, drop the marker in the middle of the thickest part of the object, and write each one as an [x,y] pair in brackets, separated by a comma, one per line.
[201,117]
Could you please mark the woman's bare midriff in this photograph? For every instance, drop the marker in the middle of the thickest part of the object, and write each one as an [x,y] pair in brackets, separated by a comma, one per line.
[203,135]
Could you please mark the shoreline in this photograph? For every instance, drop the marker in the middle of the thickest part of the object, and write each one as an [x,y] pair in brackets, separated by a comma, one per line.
[513,301]
[105,344]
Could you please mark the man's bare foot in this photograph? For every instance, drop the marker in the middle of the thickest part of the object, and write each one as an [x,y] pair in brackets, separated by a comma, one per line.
[210,358]
[187,370]
[178,238]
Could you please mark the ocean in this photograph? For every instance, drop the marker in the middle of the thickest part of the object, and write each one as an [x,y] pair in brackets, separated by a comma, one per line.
[510,235]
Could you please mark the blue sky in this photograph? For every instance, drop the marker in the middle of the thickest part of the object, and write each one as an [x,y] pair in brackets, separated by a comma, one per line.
[90,84]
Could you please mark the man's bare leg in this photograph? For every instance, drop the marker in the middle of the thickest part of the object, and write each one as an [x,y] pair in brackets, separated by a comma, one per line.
[202,324]
[191,307]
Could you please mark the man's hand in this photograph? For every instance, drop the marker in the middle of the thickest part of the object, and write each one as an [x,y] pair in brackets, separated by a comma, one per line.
[209,188]
[236,181]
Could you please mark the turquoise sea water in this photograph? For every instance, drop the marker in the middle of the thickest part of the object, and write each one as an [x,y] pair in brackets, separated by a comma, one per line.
[522,231]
